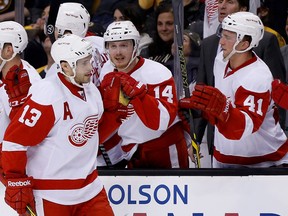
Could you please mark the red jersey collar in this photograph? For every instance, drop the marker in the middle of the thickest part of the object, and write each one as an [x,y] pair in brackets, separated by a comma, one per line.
[73,88]
[230,72]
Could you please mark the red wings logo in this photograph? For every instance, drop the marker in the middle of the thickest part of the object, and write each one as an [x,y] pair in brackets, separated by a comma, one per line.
[80,133]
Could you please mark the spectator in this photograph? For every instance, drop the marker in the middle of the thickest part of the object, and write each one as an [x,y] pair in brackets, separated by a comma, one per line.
[49,147]
[124,11]
[36,8]
[268,50]
[240,106]
[153,135]
[103,15]
[160,49]
[191,51]
[35,53]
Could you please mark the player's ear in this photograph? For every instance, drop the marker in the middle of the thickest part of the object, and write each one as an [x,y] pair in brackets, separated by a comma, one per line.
[66,68]
[243,45]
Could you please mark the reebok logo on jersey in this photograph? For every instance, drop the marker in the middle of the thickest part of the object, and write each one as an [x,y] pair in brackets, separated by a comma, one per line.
[227,106]
[19,183]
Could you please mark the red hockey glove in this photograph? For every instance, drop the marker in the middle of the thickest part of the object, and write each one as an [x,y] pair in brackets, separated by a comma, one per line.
[110,90]
[280,93]
[19,194]
[17,84]
[130,87]
[210,100]
[211,119]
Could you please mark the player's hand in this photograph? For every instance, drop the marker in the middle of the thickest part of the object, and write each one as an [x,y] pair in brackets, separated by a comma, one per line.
[17,84]
[211,119]
[209,100]
[110,90]
[130,87]
[19,194]
[280,93]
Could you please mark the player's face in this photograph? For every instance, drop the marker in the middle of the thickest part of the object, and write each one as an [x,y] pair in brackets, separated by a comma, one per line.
[226,7]
[165,26]
[120,53]
[83,70]
[227,41]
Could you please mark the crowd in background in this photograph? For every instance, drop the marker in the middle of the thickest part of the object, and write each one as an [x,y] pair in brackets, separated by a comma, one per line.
[157,32]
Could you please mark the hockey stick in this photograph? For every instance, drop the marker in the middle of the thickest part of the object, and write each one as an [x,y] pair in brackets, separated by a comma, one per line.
[50,25]
[180,66]
[105,155]
[4,182]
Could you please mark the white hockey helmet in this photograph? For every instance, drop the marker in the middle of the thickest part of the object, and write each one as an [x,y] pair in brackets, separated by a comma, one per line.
[245,23]
[72,17]
[15,34]
[70,48]
[122,30]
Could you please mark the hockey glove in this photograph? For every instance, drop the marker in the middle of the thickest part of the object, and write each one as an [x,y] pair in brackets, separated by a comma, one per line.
[17,84]
[111,92]
[209,100]
[211,119]
[130,87]
[280,93]
[19,194]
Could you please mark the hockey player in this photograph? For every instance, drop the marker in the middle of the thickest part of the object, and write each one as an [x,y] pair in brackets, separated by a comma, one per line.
[247,132]
[49,147]
[152,136]
[16,73]
[73,18]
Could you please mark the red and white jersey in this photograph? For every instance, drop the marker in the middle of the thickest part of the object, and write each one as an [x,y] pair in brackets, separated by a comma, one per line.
[5,109]
[155,113]
[58,127]
[252,136]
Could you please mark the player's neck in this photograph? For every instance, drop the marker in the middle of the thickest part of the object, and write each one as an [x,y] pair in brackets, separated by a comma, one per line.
[239,58]
[130,67]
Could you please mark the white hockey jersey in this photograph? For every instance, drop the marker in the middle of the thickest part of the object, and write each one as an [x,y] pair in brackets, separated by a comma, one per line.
[252,137]
[58,127]
[160,105]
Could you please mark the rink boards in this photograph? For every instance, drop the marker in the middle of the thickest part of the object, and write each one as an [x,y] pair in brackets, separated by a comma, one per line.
[198,192]
[193,192]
